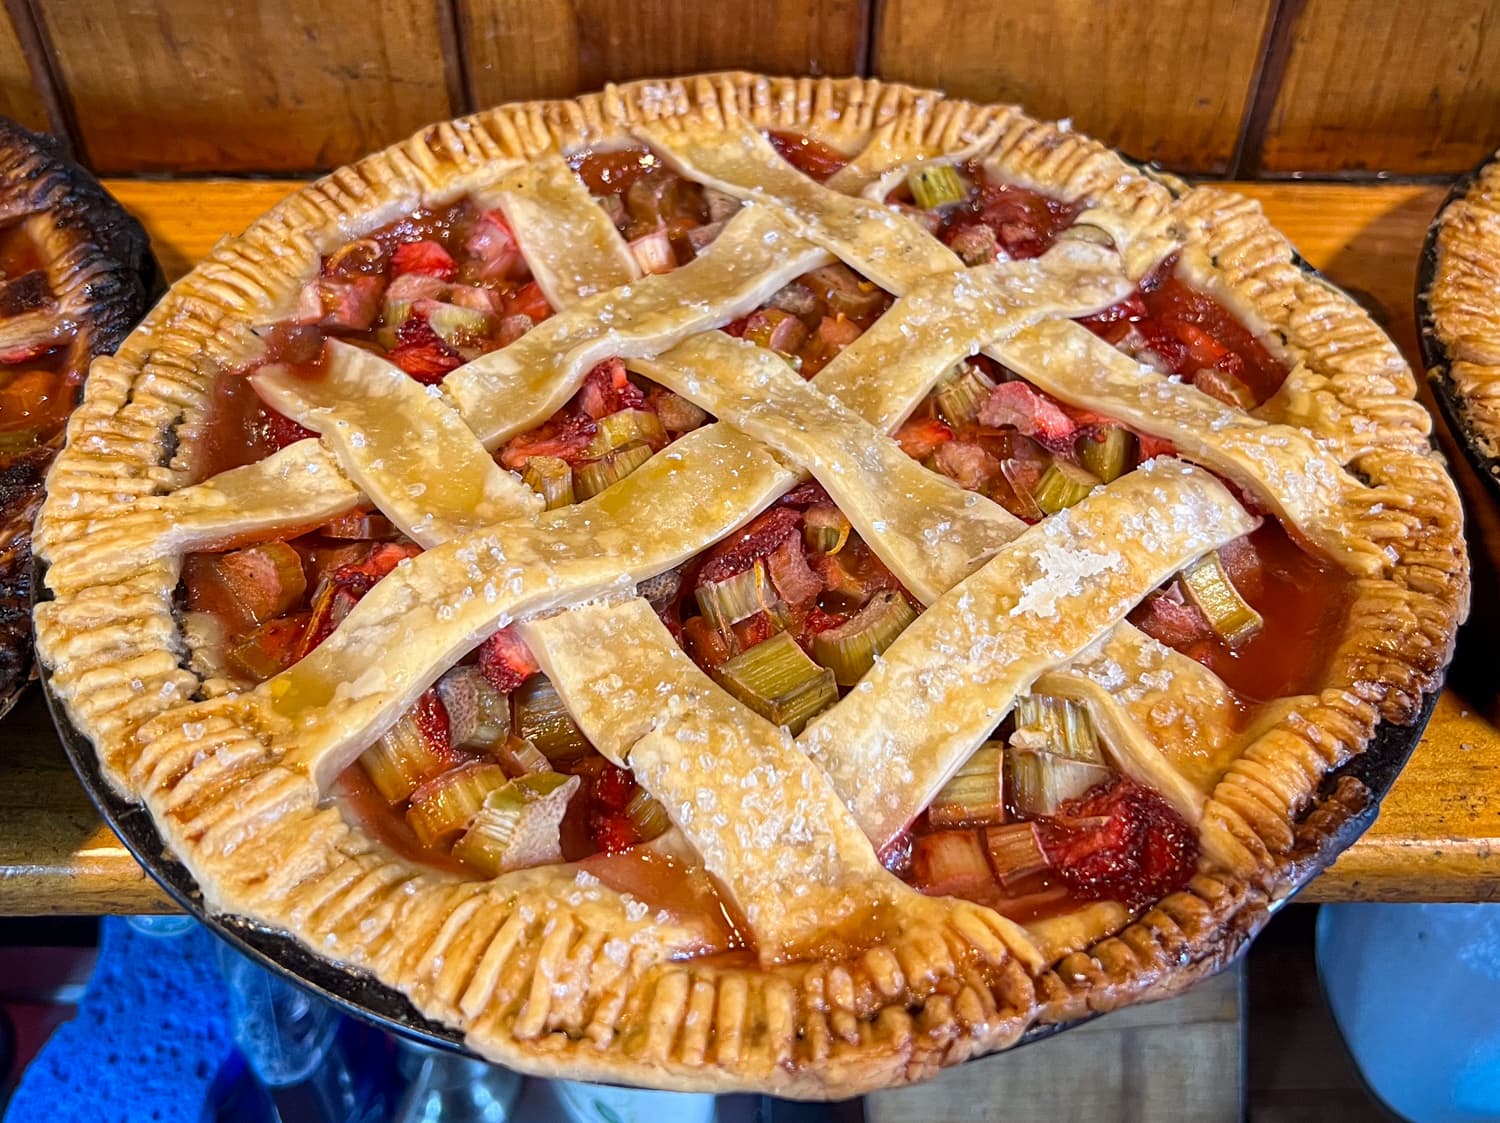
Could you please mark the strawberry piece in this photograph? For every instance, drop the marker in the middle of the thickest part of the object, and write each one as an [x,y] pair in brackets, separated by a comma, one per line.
[505,661]
[754,629]
[432,719]
[427,258]
[1026,222]
[1017,405]
[1154,446]
[1173,622]
[613,833]
[1120,841]
[421,354]
[607,389]
[282,430]
[612,787]
[919,437]
[739,552]
[528,300]
[810,157]
[492,249]
[565,435]
[1132,308]
[707,646]
[347,586]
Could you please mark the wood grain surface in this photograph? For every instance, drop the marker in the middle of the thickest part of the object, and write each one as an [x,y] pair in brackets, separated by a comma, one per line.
[274,85]
[1439,829]
[1167,81]
[20,98]
[520,49]
[1372,85]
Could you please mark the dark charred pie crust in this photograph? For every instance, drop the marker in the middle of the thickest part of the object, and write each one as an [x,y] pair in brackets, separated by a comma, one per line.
[858,983]
[92,270]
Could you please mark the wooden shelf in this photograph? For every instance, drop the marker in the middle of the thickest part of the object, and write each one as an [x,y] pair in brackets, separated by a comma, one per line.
[1439,830]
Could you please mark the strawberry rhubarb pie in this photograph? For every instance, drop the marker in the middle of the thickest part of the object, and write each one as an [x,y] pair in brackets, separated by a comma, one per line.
[748,583]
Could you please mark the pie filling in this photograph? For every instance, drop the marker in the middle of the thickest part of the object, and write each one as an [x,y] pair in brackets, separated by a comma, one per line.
[37,383]
[488,772]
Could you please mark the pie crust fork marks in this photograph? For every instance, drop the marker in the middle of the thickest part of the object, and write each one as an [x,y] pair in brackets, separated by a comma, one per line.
[857,981]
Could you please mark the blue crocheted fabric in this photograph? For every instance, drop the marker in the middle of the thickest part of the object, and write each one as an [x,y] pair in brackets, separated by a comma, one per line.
[149,1037]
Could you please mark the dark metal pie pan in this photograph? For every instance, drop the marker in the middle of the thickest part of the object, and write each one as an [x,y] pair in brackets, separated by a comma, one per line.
[1435,356]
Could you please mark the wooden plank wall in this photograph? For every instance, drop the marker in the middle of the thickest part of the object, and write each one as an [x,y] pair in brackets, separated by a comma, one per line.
[1270,88]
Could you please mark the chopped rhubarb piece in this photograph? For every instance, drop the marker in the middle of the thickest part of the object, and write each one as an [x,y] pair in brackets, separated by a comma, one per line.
[566,436]
[363,523]
[475,299]
[791,575]
[491,248]
[1120,842]
[270,649]
[1173,622]
[421,353]
[512,328]
[950,864]
[528,300]
[427,258]
[1017,405]
[975,243]
[740,550]
[920,437]
[678,415]
[412,287]
[836,332]
[607,389]
[348,304]
[776,329]
[967,464]
[1015,851]
[1242,561]
[506,661]
[250,586]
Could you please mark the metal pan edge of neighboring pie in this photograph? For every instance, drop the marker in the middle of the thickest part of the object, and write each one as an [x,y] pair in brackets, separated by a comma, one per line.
[1435,357]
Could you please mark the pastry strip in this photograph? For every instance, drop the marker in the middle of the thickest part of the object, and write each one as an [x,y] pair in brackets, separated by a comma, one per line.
[571,247]
[399,443]
[299,486]
[508,391]
[1280,465]
[938,691]
[683,736]
[883,244]
[928,530]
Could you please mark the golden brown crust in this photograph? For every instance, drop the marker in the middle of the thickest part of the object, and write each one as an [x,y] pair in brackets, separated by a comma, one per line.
[553,975]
